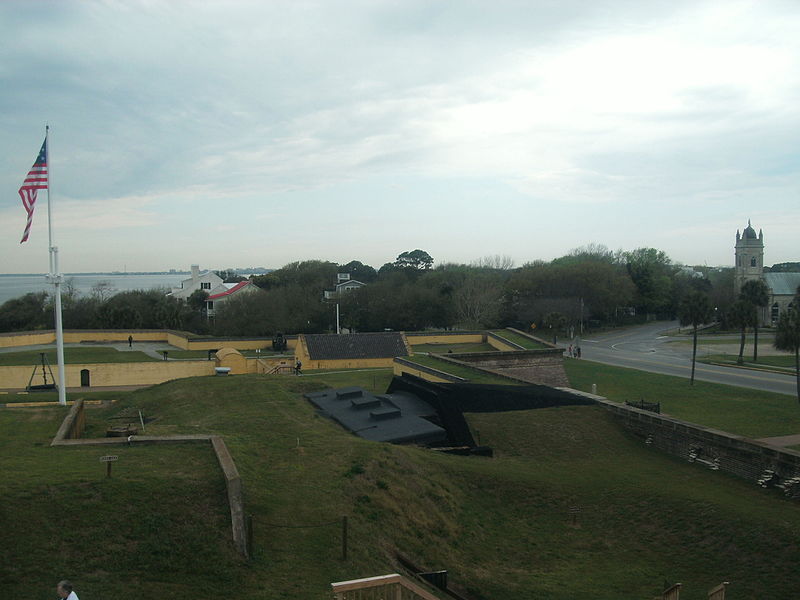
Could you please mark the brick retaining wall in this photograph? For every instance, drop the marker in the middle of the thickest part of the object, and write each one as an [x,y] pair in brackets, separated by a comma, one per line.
[715,449]
[531,366]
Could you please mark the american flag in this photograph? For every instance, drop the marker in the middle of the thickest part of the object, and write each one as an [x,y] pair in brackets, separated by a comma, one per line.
[35,180]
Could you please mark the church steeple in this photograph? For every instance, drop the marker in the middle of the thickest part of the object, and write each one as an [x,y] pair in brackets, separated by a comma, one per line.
[749,257]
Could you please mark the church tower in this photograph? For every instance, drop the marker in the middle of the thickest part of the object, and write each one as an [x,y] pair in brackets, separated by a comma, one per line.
[749,257]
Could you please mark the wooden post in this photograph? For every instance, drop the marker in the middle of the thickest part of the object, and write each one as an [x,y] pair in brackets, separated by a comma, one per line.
[250,536]
[344,538]
[108,469]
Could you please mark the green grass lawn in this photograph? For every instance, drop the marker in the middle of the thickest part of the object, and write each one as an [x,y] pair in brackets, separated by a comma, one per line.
[73,356]
[784,362]
[53,396]
[523,341]
[738,410]
[456,348]
[468,373]
[502,527]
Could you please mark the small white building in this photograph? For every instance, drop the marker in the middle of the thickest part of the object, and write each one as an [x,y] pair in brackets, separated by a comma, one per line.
[208,281]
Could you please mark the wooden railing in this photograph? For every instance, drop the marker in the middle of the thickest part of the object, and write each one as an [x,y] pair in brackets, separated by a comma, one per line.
[384,587]
[718,593]
[674,592]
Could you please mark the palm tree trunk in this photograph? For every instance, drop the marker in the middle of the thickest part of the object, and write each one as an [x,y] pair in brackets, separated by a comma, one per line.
[740,360]
[797,370]
[694,354]
[755,341]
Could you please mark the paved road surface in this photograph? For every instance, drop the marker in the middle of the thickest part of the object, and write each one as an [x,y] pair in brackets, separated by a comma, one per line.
[646,348]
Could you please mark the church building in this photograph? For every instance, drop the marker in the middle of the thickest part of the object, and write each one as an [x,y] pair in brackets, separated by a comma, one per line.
[750,266]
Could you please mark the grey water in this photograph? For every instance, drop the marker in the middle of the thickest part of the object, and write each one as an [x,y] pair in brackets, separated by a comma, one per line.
[13,286]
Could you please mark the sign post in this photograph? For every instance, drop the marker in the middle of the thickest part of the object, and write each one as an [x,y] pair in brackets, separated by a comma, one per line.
[108,460]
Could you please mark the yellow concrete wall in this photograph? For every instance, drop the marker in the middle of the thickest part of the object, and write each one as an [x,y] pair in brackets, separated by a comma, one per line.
[266,364]
[399,369]
[11,340]
[225,343]
[459,338]
[177,340]
[111,374]
[355,363]
[173,338]
[499,345]
[112,335]
[233,359]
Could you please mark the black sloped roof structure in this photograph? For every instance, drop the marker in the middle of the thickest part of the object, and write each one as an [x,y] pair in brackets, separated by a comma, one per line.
[355,345]
[398,418]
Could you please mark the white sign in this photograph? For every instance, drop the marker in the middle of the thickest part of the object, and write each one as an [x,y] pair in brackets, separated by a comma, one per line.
[108,458]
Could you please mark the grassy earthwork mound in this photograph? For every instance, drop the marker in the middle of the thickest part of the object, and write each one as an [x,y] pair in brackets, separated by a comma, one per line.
[570,507]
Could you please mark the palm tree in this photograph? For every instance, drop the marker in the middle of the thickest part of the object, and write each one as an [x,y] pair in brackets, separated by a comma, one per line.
[694,310]
[787,337]
[756,293]
[740,314]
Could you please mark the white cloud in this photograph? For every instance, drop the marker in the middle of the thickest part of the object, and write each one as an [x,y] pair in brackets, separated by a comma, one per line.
[213,115]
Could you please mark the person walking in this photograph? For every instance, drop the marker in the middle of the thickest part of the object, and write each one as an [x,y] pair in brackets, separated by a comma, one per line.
[297,366]
[65,591]
[130,341]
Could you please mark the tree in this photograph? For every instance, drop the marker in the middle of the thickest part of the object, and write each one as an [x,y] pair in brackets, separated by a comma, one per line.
[740,315]
[496,262]
[756,293]
[359,271]
[25,313]
[477,302]
[103,290]
[414,259]
[197,300]
[229,276]
[694,310]
[651,271]
[787,336]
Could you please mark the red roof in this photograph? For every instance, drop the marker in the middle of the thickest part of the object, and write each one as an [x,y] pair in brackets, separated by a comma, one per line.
[234,289]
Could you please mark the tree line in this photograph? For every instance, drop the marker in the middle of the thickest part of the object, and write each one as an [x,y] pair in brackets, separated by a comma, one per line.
[589,286]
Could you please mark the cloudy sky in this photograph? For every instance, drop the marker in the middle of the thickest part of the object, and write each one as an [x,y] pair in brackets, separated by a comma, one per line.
[257,133]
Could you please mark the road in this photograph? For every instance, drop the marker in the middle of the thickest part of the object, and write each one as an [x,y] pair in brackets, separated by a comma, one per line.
[645,348]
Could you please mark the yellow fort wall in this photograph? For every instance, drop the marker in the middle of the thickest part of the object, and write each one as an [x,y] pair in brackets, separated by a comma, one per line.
[112,374]
[500,345]
[471,337]
[27,338]
[179,339]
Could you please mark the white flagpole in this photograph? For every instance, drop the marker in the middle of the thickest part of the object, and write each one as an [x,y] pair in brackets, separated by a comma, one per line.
[55,277]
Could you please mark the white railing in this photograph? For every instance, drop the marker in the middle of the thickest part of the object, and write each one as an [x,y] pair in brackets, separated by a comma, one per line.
[384,587]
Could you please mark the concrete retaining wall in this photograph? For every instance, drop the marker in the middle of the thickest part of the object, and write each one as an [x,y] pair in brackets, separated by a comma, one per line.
[402,365]
[72,428]
[233,483]
[73,425]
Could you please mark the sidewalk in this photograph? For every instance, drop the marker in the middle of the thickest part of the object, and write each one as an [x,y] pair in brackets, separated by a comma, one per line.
[782,441]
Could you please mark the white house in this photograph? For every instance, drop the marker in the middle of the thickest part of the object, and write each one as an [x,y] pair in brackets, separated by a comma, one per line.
[207,281]
[343,284]
[230,290]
